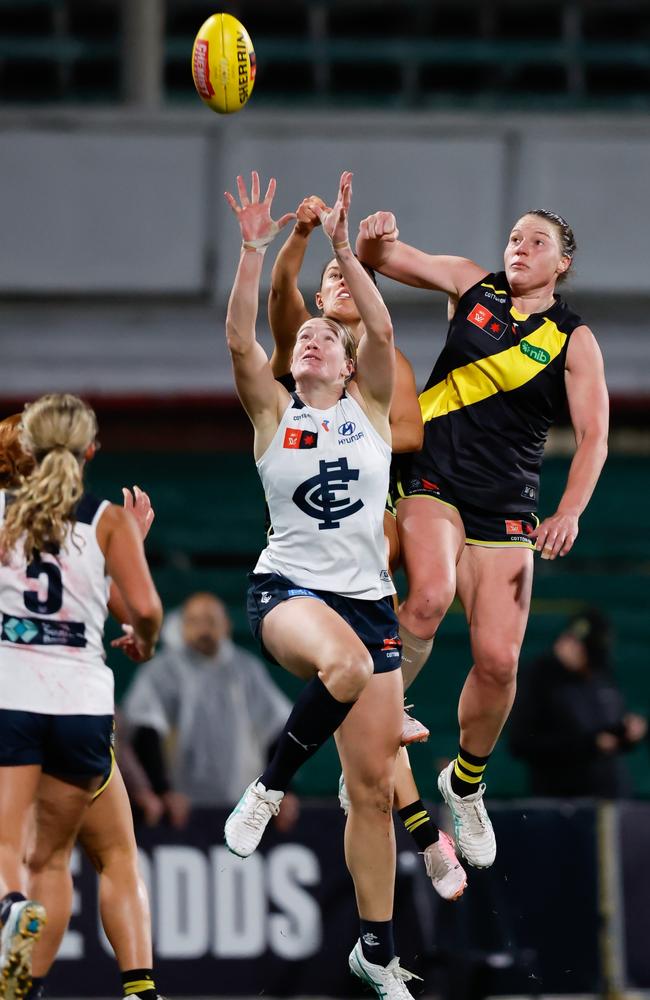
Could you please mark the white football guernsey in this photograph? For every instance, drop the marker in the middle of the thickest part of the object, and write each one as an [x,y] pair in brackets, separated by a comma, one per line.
[52,615]
[325,478]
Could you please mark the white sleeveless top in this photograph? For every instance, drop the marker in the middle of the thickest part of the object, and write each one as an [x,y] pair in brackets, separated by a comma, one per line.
[325,477]
[52,615]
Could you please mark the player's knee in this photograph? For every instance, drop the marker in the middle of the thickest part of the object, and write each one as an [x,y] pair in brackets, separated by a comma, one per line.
[117,860]
[374,793]
[42,860]
[96,859]
[497,663]
[429,605]
[347,674]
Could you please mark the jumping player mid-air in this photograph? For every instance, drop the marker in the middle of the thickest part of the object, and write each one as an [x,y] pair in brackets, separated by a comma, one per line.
[287,312]
[320,599]
[466,503]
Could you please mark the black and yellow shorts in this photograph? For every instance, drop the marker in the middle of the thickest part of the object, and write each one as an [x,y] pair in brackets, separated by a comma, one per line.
[482,527]
[390,507]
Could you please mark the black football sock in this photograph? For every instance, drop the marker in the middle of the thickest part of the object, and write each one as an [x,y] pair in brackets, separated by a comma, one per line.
[419,824]
[139,983]
[315,717]
[377,942]
[467,773]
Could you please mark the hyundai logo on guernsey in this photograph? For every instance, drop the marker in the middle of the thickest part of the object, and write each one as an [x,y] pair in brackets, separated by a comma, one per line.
[347,432]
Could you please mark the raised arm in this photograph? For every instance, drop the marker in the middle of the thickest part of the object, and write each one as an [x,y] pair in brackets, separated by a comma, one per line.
[120,541]
[589,409]
[378,245]
[260,394]
[140,508]
[375,374]
[406,427]
[286,306]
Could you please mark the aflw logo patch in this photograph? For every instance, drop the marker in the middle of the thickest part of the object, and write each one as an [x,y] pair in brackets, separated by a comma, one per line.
[295,438]
[487,321]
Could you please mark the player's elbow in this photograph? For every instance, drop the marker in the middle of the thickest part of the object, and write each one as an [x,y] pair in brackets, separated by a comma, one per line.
[594,439]
[145,611]
[383,331]
[237,343]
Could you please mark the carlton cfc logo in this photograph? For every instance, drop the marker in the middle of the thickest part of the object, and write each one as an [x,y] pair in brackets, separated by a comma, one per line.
[317,495]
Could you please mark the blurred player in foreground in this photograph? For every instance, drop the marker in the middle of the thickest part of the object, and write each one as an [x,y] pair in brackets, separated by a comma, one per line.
[466,502]
[58,545]
[106,833]
[320,597]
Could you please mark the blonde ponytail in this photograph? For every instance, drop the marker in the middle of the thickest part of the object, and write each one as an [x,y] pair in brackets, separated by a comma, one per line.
[56,429]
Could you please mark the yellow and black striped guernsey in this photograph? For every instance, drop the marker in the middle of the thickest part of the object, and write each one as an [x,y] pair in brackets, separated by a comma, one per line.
[495,390]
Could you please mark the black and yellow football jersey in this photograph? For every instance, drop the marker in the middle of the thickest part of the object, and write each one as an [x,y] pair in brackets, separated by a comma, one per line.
[495,390]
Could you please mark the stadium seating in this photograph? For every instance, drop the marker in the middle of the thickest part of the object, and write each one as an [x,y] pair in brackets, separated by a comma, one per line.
[552,53]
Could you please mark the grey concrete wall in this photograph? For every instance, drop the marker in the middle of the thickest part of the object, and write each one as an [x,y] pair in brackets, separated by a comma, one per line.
[90,211]
[117,203]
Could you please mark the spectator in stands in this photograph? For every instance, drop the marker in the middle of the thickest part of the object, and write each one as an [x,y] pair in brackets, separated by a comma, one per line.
[569,722]
[217,703]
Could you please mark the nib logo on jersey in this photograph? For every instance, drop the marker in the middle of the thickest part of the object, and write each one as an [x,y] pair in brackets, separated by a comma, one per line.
[347,432]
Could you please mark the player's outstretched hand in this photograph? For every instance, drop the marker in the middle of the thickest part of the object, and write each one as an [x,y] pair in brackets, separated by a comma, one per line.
[308,214]
[335,220]
[555,535]
[257,227]
[379,226]
[132,646]
[139,504]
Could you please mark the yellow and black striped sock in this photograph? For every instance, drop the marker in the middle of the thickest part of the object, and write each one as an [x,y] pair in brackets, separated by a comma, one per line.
[419,824]
[139,983]
[467,773]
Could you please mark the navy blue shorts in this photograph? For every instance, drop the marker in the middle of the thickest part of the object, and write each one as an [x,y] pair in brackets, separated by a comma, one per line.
[75,746]
[375,622]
